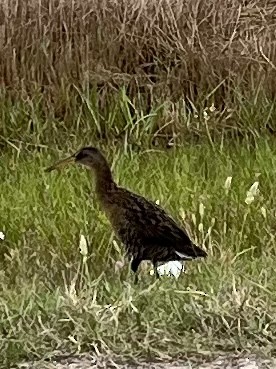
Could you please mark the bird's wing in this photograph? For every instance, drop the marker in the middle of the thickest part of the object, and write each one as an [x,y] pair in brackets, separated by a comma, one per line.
[156,227]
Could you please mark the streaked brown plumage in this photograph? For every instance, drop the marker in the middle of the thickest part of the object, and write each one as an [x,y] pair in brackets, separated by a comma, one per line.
[145,229]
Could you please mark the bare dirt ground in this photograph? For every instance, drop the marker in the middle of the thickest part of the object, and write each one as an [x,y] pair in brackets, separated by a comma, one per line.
[92,362]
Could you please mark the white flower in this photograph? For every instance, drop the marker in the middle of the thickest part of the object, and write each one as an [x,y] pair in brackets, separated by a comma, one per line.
[251,193]
[205,115]
[182,213]
[2,236]
[227,183]
[263,211]
[212,108]
[83,248]
[200,227]
[201,209]
[172,268]
[157,202]
[115,244]
[249,199]
[119,265]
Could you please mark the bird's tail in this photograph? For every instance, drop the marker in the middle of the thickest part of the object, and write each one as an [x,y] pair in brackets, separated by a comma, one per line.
[191,252]
[199,253]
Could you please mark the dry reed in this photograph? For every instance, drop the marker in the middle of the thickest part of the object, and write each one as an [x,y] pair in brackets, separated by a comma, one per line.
[159,51]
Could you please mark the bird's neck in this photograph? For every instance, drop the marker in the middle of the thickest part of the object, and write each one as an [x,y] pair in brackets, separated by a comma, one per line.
[105,184]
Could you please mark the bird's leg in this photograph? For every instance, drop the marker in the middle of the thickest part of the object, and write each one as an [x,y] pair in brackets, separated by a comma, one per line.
[155,270]
[134,266]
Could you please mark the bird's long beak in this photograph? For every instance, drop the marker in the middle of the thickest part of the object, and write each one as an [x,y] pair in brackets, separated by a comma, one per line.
[61,163]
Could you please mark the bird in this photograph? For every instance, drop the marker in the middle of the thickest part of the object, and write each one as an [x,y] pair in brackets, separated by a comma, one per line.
[145,229]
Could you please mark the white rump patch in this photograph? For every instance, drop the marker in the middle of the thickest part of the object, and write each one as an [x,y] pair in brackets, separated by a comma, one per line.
[171,268]
[184,256]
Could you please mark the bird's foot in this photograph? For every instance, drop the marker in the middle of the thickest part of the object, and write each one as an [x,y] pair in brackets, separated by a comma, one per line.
[157,275]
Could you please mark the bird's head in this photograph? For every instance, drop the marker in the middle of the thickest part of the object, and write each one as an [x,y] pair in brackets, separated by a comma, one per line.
[88,156]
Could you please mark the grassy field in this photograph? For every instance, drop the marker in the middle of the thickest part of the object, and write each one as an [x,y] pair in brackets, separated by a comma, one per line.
[51,300]
[181,98]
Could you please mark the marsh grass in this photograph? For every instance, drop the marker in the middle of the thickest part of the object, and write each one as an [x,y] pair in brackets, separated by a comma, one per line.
[124,123]
[99,67]
[140,77]
[52,300]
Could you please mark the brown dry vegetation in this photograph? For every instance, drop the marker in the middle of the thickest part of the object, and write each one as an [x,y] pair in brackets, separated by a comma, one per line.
[66,59]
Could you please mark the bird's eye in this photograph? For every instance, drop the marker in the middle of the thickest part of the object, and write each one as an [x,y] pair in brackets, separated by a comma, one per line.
[80,155]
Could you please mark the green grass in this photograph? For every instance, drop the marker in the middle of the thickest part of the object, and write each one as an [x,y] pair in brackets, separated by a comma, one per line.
[126,121]
[50,300]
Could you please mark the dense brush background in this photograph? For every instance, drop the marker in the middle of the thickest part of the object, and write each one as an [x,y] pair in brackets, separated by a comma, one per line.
[70,63]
